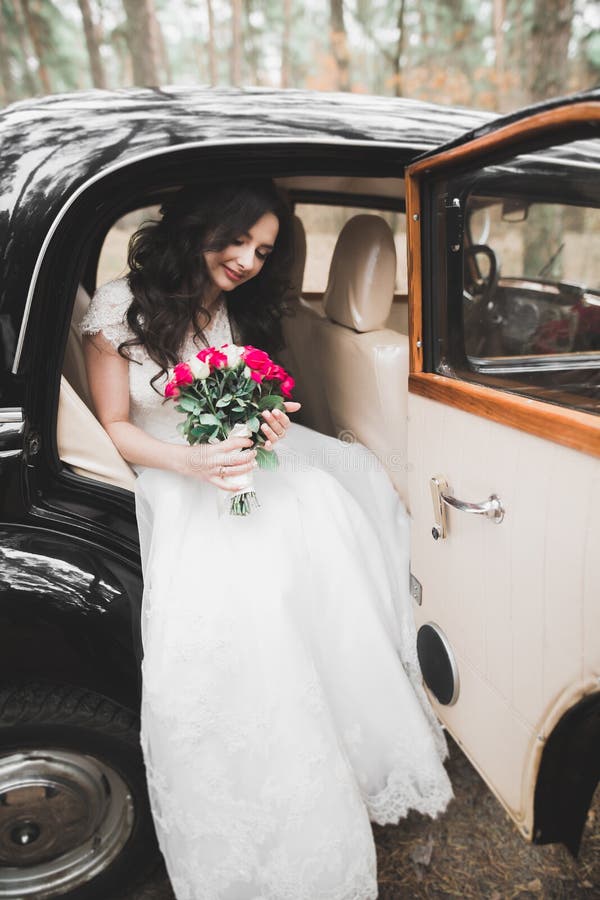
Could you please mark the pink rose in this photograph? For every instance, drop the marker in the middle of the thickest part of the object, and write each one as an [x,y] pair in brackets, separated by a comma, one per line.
[204,355]
[274,372]
[171,389]
[182,374]
[217,359]
[256,359]
[256,376]
[287,386]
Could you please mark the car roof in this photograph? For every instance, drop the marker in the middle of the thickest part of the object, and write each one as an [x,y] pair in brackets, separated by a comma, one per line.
[60,139]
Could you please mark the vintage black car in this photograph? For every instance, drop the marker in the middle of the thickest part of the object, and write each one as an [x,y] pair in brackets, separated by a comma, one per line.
[475,339]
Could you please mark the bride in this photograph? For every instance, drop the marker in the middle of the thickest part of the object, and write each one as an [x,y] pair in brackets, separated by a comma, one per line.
[282,709]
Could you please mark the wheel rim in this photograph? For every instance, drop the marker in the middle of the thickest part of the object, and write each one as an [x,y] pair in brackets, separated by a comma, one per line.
[64,817]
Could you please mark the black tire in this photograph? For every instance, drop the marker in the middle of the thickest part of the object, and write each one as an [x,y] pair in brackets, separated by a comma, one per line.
[58,729]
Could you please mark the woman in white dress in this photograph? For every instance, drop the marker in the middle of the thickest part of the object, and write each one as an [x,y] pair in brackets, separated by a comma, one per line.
[282,709]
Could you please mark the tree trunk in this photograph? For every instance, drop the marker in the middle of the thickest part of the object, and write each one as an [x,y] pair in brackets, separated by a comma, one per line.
[212,56]
[550,35]
[92,40]
[286,47]
[399,51]
[23,41]
[163,52]
[339,44]
[8,83]
[499,13]
[142,41]
[549,44]
[32,22]
[236,42]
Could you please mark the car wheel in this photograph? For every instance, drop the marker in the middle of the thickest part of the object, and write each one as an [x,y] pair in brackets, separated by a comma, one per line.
[75,820]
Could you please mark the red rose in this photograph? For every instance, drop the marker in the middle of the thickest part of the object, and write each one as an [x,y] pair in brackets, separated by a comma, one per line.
[287,386]
[182,374]
[204,355]
[171,389]
[256,376]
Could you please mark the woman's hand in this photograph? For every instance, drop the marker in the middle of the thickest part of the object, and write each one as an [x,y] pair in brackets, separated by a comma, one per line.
[276,423]
[215,463]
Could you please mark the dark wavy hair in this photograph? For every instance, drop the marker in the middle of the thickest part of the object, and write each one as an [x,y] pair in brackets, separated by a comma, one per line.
[168,276]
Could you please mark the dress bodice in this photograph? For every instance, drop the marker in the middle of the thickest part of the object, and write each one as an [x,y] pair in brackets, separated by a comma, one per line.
[147,408]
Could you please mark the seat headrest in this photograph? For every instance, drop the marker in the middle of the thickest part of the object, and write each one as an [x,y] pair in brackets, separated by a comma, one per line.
[299,262]
[362,274]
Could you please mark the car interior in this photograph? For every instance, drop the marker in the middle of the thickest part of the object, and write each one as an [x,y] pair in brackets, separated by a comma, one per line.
[346,344]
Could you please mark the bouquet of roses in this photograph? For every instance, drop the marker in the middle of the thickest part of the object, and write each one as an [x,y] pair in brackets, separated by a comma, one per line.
[223,390]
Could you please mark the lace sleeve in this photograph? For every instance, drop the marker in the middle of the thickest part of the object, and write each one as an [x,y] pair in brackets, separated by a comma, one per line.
[106,312]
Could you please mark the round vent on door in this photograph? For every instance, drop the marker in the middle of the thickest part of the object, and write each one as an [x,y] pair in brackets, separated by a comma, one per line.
[438,665]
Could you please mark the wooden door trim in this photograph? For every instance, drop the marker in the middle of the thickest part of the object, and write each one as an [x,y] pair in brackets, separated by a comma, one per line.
[535,125]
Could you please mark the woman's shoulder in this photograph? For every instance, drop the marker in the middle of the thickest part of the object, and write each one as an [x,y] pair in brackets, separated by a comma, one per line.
[107,310]
[115,293]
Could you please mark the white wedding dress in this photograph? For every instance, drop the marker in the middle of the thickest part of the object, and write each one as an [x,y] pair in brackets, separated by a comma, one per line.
[282,707]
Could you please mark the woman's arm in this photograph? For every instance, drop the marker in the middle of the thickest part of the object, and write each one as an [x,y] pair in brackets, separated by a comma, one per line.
[108,378]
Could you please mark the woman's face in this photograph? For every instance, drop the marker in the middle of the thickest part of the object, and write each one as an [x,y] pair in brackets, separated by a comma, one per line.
[245,257]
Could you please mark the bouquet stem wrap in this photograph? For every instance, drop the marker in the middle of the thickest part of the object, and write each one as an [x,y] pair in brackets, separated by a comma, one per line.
[244,499]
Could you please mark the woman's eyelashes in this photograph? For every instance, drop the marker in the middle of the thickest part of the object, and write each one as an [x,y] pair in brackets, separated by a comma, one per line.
[262,256]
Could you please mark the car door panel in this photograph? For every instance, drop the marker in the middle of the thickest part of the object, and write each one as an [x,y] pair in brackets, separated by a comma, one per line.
[517,601]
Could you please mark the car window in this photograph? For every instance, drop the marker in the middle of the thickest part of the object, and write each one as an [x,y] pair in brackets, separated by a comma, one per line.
[545,265]
[516,275]
[323,224]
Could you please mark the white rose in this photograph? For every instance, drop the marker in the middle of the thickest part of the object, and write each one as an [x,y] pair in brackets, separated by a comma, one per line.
[233,354]
[199,369]
[247,371]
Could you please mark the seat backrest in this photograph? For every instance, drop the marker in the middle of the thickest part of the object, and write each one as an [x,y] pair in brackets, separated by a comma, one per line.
[297,356]
[364,365]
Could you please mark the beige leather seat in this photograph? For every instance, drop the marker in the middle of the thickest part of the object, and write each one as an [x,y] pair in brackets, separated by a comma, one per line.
[364,365]
[83,444]
[297,356]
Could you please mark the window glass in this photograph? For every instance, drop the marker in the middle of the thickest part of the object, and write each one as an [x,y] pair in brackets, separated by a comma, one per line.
[323,225]
[514,257]
[534,268]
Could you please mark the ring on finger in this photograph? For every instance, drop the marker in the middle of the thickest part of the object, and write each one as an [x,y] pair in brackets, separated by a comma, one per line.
[221,471]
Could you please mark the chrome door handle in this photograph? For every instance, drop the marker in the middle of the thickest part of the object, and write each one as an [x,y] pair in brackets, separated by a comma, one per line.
[491,508]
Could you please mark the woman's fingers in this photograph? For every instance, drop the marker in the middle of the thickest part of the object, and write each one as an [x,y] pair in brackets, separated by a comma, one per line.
[236,443]
[234,459]
[292,406]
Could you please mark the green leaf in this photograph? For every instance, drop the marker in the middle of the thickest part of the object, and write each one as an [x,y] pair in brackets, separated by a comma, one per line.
[253,423]
[225,400]
[271,401]
[208,419]
[189,404]
[266,459]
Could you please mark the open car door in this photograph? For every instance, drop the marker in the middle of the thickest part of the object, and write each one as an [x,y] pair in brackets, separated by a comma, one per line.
[504,440]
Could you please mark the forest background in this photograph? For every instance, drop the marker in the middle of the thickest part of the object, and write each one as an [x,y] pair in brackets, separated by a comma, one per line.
[491,54]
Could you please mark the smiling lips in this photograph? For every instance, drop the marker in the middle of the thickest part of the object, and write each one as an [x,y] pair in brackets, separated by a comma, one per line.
[231,274]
